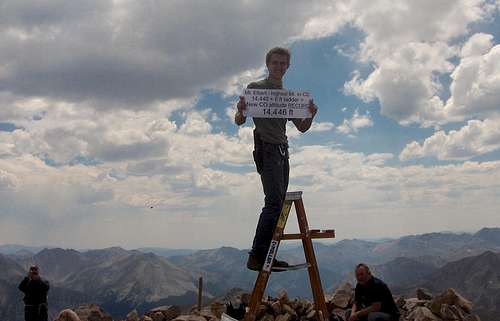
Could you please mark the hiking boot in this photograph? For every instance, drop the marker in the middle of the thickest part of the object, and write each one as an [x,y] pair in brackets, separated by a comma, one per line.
[279,266]
[255,263]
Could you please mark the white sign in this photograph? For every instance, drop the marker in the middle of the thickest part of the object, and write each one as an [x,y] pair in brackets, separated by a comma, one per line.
[276,103]
[271,253]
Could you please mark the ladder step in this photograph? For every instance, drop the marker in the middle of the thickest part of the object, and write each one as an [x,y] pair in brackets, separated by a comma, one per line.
[291,196]
[292,267]
[315,234]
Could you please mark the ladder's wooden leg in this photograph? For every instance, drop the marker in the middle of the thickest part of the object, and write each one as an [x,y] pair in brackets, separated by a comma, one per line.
[257,294]
[314,277]
[263,277]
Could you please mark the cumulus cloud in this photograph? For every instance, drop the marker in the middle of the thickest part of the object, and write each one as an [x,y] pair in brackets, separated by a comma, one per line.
[316,127]
[344,187]
[404,82]
[102,94]
[477,45]
[66,133]
[321,126]
[196,123]
[160,199]
[7,180]
[409,51]
[352,125]
[474,96]
[475,87]
[410,21]
[475,138]
[130,54]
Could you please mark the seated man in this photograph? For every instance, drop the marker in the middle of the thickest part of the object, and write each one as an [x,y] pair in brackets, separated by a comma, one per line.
[373,300]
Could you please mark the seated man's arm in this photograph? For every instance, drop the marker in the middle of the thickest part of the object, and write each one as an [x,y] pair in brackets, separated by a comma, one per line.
[354,308]
[375,307]
[304,124]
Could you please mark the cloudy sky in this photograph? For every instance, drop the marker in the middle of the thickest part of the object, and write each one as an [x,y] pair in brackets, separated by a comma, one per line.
[116,118]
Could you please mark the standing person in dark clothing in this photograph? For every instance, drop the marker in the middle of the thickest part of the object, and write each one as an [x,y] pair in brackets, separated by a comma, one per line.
[35,291]
[271,156]
[373,300]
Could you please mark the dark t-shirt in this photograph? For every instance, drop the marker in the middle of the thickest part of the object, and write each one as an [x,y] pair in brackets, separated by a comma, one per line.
[376,291]
[35,291]
[270,130]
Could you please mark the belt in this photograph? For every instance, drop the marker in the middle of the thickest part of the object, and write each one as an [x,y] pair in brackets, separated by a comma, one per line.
[283,147]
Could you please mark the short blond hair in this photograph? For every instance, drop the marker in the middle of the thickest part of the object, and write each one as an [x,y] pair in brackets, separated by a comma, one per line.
[67,315]
[278,51]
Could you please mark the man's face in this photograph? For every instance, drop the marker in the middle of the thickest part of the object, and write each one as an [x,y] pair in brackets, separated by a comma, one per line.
[362,275]
[277,66]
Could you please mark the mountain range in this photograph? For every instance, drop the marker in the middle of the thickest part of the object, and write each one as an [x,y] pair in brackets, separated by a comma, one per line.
[476,277]
[120,280]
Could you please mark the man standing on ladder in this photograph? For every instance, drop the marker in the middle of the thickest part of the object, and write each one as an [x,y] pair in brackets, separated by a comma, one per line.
[271,157]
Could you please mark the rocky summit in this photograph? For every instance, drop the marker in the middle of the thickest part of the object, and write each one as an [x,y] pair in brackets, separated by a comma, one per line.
[446,306]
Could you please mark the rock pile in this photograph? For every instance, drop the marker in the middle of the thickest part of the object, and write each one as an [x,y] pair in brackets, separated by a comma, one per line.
[163,313]
[173,313]
[92,312]
[282,308]
[448,306]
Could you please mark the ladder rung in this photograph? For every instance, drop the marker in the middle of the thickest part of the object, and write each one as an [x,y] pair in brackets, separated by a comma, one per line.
[292,267]
[315,234]
[322,234]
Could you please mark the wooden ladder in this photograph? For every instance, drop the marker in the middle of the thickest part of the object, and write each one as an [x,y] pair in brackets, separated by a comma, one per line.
[306,235]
